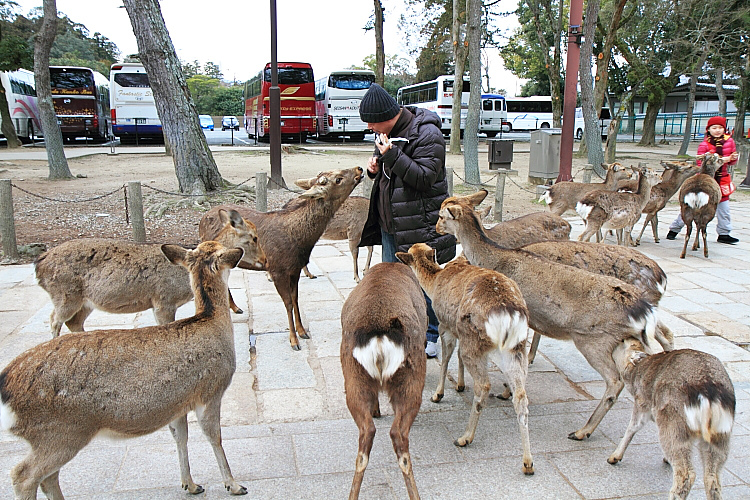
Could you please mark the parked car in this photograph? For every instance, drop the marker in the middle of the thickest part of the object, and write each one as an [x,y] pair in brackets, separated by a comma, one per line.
[604,119]
[207,123]
[229,122]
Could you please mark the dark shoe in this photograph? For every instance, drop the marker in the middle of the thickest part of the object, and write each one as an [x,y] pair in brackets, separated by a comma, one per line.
[671,235]
[725,238]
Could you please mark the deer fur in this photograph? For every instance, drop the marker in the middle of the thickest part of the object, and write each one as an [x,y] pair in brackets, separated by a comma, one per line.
[614,210]
[674,175]
[699,196]
[288,236]
[60,394]
[564,195]
[486,313]
[347,224]
[382,349]
[119,276]
[691,397]
[596,312]
[528,229]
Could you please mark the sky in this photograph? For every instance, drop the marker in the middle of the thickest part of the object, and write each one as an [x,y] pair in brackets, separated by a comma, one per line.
[235,34]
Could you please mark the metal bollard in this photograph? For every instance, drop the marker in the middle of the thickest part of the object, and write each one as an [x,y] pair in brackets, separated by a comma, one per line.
[261,192]
[7,223]
[499,193]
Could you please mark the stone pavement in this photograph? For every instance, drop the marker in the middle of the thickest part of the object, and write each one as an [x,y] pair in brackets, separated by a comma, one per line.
[288,434]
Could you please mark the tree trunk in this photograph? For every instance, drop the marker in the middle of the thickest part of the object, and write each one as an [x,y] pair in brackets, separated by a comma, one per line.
[741,103]
[602,75]
[657,92]
[194,164]
[459,56]
[379,47]
[7,128]
[721,92]
[626,100]
[690,106]
[471,142]
[58,164]
[595,154]
[552,64]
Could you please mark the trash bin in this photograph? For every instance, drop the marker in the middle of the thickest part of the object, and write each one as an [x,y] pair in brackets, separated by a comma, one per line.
[544,155]
[500,153]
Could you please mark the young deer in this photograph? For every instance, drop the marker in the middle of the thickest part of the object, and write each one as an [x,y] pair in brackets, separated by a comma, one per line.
[564,195]
[288,236]
[675,174]
[119,276]
[614,210]
[596,312]
[699,196]
[382,348]
[528,229]
[60,394]
[691,397]
[486,313]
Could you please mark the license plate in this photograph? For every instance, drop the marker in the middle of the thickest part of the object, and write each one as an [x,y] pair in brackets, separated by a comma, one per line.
[140,121]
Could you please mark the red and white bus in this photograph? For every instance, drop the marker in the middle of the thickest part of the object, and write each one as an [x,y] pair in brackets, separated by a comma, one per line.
[22,103]
[297,87]
[81,100]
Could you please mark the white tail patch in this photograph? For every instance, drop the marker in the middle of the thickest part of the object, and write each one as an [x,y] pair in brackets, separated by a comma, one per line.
[583,210]
[506,330]
[696,200]
[546,198]
[708,418]
[646,323]
[381,358]
[7,416]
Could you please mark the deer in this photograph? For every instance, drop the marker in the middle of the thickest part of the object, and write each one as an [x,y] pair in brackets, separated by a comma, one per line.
[59,394]
[118,276]
[699,196]
[485,311]
[288,235]
[675,173]
[528,229]
[347,224]
[691,397]
[596,312]
[614,210]
[382,349]
[564,195]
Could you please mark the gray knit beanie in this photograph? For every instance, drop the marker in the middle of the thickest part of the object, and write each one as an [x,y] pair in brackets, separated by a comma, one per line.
[378,105]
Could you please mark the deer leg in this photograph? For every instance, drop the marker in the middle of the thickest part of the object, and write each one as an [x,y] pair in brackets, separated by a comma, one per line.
[369,258]
[687,238]
[696,241]
[234,307]
[637,419]
[649,218]
[42,464]
[75,324]
[534,346]
[361,399]
[308,273]
[714,456]
[478,370]
[179,429]
[460,381]
[62,312]
[705,243]
[587,234]
[297,317]
[655,226]
[448,342]
[405,401]
[51,486]
[677,448]
[355,256]
[619,233]
[283,288]
[164,313]
[210,421]
[664,336]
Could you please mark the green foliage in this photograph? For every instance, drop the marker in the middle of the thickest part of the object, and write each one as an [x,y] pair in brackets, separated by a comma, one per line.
[15,53]
[397,72]
[211,97]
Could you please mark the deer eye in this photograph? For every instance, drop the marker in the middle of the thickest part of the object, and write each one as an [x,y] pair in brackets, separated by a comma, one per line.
[338,180]
[255,239]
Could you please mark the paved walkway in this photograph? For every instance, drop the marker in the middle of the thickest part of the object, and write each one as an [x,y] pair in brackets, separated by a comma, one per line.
[288,434]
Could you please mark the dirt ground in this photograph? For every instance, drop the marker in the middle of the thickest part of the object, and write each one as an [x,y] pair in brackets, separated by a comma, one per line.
[53,212]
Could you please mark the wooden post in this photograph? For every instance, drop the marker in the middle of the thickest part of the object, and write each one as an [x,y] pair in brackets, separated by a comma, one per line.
[261,192]
[499,193]
[135,207]
[449,179]
[7,223]
[587,169]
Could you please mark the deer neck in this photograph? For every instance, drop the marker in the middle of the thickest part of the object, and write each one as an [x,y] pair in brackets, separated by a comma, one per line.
[609,179]
[211,294]
[427,272]
[475,243]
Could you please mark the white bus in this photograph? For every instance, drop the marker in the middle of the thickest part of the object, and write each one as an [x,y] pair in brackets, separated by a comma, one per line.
[132,105]
[337,98]
[20,93]
[529,113]
[437,95]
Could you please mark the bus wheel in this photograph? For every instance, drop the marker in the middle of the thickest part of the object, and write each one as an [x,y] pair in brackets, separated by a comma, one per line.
[358,137]
[303,137]
[545,125]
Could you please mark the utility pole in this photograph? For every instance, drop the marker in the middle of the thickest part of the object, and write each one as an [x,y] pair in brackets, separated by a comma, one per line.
[276,181]
[575,32]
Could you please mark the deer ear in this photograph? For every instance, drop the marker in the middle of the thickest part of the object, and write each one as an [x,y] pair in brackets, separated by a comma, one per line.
[305,183]
[477,198]
[431,255]
[484,212]
[318,190]
[231,256]
[236,219]
[404,257]
[453,212]
[175,253]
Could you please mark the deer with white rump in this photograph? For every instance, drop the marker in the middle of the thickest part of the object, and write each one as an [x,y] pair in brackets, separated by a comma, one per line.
[699,197]
[564,195]
[382,349]
[691,397]
[485,312]
[119,276]
[596,312]
[60,394]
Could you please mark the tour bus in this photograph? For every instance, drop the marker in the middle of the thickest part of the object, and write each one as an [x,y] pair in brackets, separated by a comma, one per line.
[81,100]
[134,114]
[529,113]
[297,88]
[493,116]
[580,125]
[437,95]
[20,93]
[337,98]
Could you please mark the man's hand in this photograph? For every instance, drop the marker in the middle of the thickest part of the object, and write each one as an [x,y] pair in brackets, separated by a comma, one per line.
[372,165]
[383,143]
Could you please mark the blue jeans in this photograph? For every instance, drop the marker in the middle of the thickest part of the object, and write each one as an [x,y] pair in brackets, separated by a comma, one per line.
[389,255]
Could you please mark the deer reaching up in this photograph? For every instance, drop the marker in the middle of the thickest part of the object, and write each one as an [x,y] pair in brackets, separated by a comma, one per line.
[564,195]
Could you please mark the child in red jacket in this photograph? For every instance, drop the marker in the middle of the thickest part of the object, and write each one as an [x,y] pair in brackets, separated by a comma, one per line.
[719,142]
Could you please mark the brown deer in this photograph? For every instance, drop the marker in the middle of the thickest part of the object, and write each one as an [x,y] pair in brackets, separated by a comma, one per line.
[564,195]
[288,236]
[691,397]
[382,349]
[486,313]
[60,394]
[119,276]
[596,312]
[528,229]
[699,196]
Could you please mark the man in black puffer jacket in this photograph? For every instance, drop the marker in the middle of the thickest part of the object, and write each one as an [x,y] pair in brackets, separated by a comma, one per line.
[408,169]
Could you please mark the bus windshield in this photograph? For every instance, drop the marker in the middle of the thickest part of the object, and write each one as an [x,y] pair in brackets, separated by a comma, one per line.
[139,80]
[351,82]
[71,81]
[289,76]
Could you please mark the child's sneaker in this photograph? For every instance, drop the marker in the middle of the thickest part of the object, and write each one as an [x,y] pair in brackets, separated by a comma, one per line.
[671,235]
[431,350]
[725,238]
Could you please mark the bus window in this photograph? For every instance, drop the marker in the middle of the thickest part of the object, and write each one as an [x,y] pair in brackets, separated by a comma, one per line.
[290,76]
[71,81]
[351,82]
[487,105]
[139,80]
[499,105]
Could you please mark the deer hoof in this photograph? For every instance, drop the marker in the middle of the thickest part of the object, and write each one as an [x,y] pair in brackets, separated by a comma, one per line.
[460,388]
[461,442]
[304,335]
[296,347]
[612,460]
[528,469]
[436,398]
[196,490]
[240,490]
[238,311]
[574,436]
